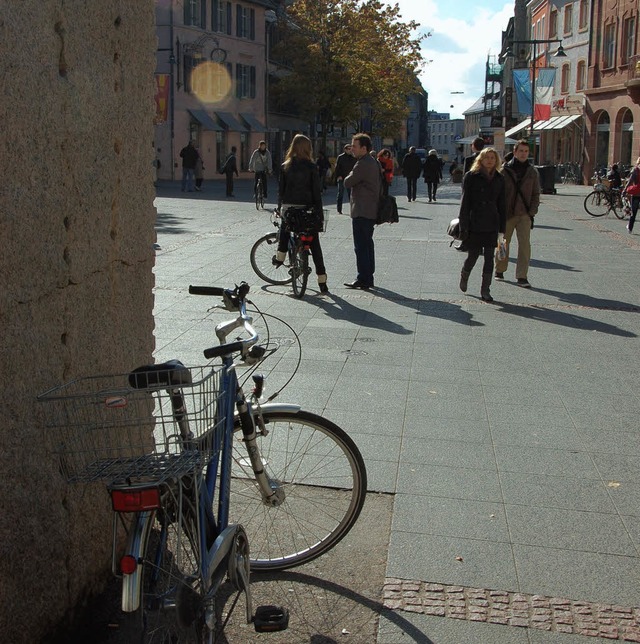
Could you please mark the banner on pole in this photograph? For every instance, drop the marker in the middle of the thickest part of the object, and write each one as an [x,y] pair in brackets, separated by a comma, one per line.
[544,91]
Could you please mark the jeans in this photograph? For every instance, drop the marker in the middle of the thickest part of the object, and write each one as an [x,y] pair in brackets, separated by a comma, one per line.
[187,179]
[412,188]
[364,248]
[341,190]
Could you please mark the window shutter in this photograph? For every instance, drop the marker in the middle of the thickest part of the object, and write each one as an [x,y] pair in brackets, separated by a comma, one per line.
[214,15]
[252,73]
[228,18]
[238,80]
[238,20]
[252,25]
[203,14]
[187,13]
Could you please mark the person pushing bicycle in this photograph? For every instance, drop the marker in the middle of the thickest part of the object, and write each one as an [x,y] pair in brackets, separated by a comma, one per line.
[261,163]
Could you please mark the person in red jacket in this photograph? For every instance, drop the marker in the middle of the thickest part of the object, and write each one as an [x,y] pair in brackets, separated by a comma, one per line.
[386,163]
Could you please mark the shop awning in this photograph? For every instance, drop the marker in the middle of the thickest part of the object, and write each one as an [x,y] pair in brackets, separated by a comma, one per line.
[517,128]
[252,122]
[205,120]
[230,123]
[555,122]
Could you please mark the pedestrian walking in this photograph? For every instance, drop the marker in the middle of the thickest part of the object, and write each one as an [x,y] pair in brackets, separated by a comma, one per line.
[324,169]
[476,145]
[386,163]
[411,170]
[198,172]
[632,190]
[189,156]
[432,174]
[522,195]
[229,168]
[344,165]
[299,187]
[482,217]
[261,163]
[364,182]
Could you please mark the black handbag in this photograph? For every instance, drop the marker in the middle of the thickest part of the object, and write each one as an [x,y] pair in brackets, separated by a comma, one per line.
[453,230]
[387,211]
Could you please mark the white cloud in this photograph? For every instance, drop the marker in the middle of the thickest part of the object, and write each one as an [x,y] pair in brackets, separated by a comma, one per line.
[464,33]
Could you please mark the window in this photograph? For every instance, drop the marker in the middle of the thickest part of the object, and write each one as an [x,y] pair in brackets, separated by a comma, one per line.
[581,75]
[553,24]
[584,14]
[190,63]
[568,20]
[245,81]
[245,22]
[566,78]
[194,13]
[221,16]
[628,40]
[609,46]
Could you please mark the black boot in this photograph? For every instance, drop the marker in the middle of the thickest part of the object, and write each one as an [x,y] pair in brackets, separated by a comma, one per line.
[485,293]
[464,280]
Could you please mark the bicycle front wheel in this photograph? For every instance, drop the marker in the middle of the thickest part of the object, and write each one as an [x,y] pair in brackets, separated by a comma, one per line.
[596,203]
[299,268]
[261,256]
[320,481]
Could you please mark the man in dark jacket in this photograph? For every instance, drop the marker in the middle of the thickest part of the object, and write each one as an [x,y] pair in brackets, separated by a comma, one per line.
[229,168]
[522,195]
[189,156]
[344,165]
[364,181]
[476,145]
[411,169]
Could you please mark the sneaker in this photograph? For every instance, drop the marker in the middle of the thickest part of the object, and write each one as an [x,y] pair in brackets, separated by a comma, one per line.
[276,262]
[499,276]
[524,282]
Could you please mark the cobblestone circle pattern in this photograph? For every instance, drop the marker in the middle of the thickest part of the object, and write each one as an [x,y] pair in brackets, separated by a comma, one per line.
[555,614]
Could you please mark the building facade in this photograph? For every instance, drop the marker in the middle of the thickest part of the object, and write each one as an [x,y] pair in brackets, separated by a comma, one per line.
[444,134]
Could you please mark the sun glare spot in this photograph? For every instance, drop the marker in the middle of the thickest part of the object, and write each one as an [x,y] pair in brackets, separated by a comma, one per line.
[210,82]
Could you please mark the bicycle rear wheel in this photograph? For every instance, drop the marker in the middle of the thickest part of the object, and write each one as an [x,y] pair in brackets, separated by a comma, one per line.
[172,591]
[261,256]
[299,268]
[320,478]
[596,203]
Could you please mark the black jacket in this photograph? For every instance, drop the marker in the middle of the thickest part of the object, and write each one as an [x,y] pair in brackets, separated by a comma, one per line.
[300,185]
[432,169]
[482,208]
[411,165]
[344,165]
[468,162]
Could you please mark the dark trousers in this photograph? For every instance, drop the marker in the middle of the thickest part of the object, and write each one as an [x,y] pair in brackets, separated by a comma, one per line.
[432,186]
[341,190]
[261,175]
[635,203]
[314,247]
[412,188]
[364,248]
[480,244]
[229,184]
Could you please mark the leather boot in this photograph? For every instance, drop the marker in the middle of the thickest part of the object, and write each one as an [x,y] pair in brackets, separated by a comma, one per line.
[464,280]
[485,293]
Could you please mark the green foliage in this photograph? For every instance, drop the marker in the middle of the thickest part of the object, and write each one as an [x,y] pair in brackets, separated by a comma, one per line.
[348,57]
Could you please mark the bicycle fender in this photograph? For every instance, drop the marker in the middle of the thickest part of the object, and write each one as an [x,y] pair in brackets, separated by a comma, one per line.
[136,543]
[221,547]
[275,407]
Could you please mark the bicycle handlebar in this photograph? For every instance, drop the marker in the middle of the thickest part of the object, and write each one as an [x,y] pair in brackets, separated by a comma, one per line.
[234,300]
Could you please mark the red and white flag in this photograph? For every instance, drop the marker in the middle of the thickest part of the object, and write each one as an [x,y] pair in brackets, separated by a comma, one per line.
[544,91]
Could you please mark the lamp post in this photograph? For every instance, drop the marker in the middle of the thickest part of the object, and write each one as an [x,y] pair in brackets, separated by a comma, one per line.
[560,53]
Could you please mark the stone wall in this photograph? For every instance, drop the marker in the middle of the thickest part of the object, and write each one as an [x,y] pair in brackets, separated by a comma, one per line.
[77,231]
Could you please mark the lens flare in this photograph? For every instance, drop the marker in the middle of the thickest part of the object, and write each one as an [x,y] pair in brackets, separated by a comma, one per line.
[210,82]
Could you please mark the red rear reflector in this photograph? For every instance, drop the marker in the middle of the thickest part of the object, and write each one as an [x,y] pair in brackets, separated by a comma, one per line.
[135,500]
[128,565]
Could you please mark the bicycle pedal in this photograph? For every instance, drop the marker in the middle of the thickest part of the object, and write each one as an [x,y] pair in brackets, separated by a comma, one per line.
[270,619]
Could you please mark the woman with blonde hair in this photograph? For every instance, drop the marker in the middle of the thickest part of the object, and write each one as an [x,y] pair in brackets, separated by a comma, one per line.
[482,216]
[299,187]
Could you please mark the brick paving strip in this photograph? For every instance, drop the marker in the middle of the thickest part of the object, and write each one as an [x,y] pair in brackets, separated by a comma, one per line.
[554,614]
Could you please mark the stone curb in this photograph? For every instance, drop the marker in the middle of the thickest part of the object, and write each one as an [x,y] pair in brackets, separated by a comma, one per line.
[554,614]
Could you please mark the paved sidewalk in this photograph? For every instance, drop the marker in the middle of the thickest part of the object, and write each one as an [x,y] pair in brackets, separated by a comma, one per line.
[506,432]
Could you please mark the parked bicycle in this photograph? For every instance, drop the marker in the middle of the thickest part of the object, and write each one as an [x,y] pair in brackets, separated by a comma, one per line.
[301,225]
[603,200]
[197,471]
[570,173]
[259,193]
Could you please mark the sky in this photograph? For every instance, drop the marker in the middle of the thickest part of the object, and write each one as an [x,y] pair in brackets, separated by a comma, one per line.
[463,34]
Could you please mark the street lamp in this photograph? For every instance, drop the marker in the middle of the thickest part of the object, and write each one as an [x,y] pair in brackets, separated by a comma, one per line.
[560,53]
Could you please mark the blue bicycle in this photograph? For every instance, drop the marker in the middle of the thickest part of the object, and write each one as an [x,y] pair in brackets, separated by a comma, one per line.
[198,472]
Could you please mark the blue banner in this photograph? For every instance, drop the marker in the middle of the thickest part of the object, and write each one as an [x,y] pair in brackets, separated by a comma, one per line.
[522,89]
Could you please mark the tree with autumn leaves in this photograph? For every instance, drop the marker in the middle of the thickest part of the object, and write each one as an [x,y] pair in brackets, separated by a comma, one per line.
[347,59]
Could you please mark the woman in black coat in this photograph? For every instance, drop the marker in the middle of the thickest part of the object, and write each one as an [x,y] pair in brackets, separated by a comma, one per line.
[482,216]
[299,185]
[432,173]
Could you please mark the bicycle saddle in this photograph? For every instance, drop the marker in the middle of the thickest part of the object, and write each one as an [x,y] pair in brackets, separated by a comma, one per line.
[169,374]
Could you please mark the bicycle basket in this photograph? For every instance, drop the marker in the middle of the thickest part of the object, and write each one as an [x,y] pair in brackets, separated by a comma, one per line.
[103,429]
[301,220]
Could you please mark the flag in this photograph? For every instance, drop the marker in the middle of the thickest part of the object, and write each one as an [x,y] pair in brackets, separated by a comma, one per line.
[544,91]
[522,89]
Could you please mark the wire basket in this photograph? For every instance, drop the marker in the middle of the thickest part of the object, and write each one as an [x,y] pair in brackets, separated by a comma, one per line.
[103,428]
[301,220]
